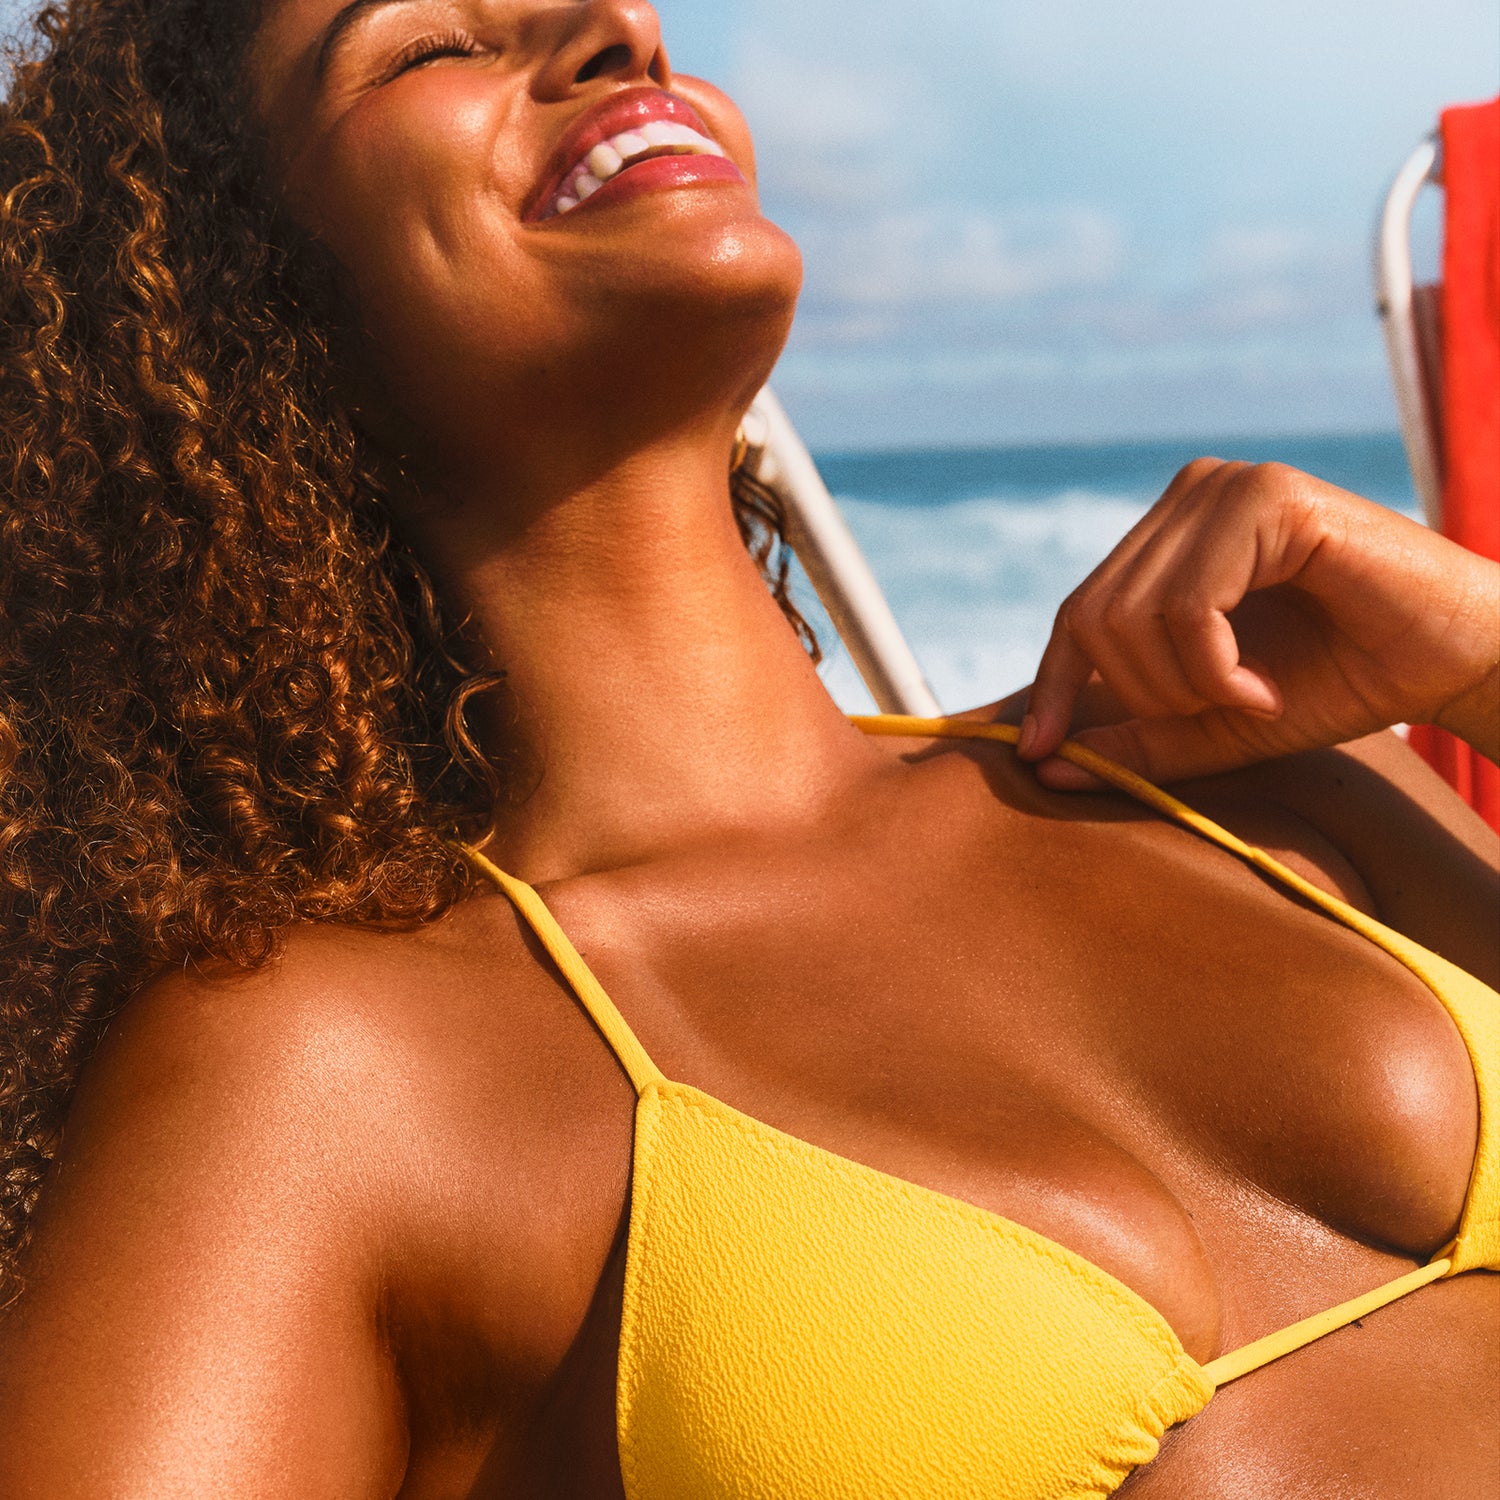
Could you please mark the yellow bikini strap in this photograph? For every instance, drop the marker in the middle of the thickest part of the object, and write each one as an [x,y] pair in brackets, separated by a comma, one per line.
[1250,1357]
[591,994]
[1262,1351]
[1135,786]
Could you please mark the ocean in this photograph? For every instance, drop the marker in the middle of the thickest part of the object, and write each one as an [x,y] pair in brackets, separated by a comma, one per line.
[976,548]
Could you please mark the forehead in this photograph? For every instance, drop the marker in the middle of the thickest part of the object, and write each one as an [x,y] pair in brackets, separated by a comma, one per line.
[295,38]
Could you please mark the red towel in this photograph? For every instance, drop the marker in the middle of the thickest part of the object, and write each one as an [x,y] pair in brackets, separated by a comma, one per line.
[1471,389]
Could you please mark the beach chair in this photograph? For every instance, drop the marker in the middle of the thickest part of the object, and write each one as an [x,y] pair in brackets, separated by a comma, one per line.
[834,563]
[1443,342]
[1409,315]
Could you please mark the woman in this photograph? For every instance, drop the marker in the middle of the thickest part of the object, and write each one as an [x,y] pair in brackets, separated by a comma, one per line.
[342,1203]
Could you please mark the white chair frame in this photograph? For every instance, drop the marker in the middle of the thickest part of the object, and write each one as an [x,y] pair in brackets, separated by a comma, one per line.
[834,563]
[1412,335]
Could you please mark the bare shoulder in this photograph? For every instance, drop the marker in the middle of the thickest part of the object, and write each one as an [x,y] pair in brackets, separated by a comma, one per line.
[1371,822]
[312,1048]
[203,1252]
[1430,866]
[208,1291]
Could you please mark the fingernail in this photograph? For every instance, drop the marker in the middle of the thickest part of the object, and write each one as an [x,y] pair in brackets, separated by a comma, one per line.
[1027,742]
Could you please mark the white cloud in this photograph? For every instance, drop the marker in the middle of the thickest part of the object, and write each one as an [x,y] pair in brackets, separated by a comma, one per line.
[828,134]
[921,256]
[803,103]
[1248,250]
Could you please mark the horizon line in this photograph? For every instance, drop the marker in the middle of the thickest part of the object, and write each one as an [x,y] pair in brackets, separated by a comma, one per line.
[1203,440]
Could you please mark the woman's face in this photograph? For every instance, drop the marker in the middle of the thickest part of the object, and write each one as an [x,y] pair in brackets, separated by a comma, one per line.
[436,147]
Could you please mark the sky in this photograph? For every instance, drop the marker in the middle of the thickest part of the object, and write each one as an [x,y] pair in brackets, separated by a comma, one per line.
[1067,220]
[1051,220]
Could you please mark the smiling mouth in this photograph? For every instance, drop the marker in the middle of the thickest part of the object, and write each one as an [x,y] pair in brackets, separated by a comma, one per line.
[618,154]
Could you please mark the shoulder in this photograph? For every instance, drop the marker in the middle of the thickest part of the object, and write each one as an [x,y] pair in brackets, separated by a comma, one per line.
[262,1176]
[1428,866]
[1373,824]
[345,1039]
[226,1096]
[204,1278]
[250,1051]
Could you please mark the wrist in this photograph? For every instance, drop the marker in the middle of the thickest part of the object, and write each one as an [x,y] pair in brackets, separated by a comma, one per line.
[1474,716]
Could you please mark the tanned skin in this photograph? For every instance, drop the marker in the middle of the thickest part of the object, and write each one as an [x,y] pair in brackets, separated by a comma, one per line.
[353,1225]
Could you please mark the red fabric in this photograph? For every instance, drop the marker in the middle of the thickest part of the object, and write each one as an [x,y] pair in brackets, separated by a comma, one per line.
[1471,389]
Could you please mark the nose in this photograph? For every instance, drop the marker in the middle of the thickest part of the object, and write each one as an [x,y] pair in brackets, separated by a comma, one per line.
[604,39]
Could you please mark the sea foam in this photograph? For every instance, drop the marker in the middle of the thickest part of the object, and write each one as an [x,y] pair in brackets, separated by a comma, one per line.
[977,548]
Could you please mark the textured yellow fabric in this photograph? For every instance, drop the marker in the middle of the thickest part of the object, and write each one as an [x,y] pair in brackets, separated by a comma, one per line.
[798,1326]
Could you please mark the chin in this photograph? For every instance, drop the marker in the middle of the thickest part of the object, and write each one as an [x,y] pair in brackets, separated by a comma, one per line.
[670,307]
[722,288]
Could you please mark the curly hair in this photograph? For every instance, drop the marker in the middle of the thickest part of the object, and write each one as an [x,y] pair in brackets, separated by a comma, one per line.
[229,697]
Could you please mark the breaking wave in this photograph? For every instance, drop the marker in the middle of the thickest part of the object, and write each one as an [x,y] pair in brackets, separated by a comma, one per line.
[976,550]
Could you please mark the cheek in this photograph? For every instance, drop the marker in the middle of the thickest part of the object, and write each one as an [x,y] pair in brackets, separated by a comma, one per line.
[410,193]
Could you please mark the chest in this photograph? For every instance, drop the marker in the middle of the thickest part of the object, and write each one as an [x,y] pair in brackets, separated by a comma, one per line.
[1131,1045]
[1108,1034]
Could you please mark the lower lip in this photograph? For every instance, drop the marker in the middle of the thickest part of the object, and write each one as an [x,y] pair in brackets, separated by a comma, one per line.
[659,173]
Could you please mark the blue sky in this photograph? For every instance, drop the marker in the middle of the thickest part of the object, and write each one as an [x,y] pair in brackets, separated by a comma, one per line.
[1055,220]
[1047,220]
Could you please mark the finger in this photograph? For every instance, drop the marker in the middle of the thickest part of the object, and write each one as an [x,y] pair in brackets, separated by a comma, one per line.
[1209,652]
[1069,660]
[1059,775]
[1060,677]
[1103,643]
[1127,640]
[1162,751]
[1198,569]
[1136,652]
[1121,622]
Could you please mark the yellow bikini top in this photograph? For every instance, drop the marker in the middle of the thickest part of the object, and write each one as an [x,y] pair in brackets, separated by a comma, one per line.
[800,1327]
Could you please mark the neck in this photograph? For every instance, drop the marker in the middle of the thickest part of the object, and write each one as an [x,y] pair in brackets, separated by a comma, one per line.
[657,697]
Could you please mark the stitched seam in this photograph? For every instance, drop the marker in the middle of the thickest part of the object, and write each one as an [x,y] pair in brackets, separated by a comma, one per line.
[1137,1311]
[1186,1371]
[1151,1418]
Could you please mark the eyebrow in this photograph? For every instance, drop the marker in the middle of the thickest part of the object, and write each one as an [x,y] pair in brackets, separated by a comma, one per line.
[339,27]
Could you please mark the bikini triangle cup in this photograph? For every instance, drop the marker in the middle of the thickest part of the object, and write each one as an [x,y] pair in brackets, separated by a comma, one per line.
[797,1323]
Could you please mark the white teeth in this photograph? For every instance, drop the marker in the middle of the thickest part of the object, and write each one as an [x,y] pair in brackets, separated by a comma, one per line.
[604,161]
[609,158]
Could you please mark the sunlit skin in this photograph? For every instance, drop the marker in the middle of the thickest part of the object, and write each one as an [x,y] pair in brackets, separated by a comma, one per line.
[353,1226]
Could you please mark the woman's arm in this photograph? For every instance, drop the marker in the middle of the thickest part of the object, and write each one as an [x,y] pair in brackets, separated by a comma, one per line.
[1475,717]
[1253,631]
[1256,612]
[202,1310]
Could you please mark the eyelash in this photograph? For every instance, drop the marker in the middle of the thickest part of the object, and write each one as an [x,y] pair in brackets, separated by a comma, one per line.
[428,48]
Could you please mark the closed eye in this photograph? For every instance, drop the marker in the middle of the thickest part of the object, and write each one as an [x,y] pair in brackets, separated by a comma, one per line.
[429,48]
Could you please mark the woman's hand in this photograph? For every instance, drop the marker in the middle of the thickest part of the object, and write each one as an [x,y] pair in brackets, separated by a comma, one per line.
[1256,611]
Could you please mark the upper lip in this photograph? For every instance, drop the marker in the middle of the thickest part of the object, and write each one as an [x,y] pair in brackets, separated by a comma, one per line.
[620,112]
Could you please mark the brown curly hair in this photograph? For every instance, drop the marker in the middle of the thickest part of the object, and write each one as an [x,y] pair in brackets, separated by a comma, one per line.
[229,698]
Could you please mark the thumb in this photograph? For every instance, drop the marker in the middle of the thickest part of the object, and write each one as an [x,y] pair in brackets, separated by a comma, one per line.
[1157,750]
